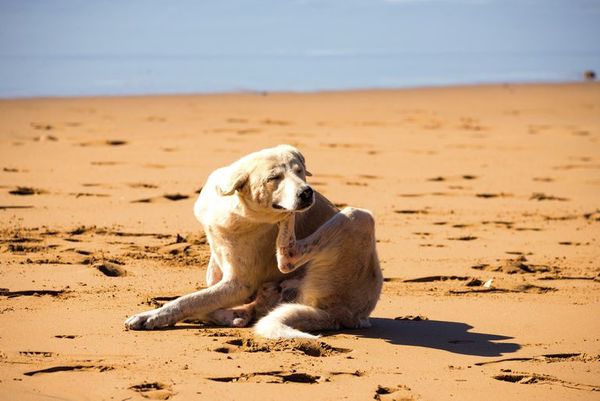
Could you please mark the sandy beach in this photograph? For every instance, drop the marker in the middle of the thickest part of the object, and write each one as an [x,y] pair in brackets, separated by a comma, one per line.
[467,185]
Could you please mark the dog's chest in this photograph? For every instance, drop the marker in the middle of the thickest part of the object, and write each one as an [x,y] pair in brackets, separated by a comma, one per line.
[241,248]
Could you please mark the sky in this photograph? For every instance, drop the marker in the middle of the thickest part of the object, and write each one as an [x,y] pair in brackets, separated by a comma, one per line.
[38,34]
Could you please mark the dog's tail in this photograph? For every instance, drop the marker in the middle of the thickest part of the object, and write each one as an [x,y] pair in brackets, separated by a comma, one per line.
[287,321]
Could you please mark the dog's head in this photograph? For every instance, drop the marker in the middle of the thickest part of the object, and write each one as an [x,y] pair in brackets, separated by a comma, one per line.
[272,179]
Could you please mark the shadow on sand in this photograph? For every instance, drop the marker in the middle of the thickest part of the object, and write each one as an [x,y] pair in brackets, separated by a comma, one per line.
[453,337]
[449,336]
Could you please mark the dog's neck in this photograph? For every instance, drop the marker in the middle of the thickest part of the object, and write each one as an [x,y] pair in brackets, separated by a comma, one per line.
[257,215]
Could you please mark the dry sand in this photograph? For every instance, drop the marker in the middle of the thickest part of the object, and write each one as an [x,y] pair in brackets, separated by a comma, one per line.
[466,184]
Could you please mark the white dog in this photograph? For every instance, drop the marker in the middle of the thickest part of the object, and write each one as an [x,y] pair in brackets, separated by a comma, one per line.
[252,211]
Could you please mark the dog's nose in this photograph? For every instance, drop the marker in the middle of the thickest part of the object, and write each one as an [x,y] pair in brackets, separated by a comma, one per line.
[306,194]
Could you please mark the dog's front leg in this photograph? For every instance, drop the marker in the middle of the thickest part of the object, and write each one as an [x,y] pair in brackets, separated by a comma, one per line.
[223,294]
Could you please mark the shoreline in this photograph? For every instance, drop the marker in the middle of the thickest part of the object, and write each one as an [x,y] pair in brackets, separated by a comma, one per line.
[308,92]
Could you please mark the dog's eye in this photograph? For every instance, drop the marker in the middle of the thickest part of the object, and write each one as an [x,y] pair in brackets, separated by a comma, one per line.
[275,177]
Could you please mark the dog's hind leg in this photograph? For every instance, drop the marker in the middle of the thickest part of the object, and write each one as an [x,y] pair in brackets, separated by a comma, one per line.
[240,316]
[267,297]
[322,249]
[293,321]
[292,253]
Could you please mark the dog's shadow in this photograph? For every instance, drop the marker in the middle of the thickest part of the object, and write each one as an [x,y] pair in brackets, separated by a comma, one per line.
[453,337]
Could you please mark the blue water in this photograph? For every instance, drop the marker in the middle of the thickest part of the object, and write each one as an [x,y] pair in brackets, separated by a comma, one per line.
[74,47]
[120,75]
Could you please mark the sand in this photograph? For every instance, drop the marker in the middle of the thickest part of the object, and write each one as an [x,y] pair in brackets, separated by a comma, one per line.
[467,185]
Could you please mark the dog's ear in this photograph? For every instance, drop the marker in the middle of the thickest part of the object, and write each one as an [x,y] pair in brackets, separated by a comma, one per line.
[232,182]
[300,157]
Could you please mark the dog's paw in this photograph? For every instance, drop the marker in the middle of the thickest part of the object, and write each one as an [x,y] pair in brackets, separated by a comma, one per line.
[149,320]
[286,267]
[240,321]
[238,317]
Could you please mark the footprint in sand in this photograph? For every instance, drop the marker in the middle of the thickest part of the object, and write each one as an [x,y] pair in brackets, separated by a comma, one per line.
[171,197]
[107,142]
[248,131]
[570,243]
[105,163]
[505,224]
[310,348]
[430,279]
[411,211]
[534,378]
[543,179]
[346,145]
[236,120]
[69,368]
[24,246]
[463,238]
[546,358]
[44,354]
[11,170]
[489,195]
[521,288]
[41,126]
[391,393]
[160,300]
[5,292]
[111,269]
[154,390]
[592,216]
[540,196]
[412,318]
[269,377]
[470,124]
[88,195]
[142,185]
[26,191]
[269,121]
[154,165]
[45,138]
[175,197]
[519,265]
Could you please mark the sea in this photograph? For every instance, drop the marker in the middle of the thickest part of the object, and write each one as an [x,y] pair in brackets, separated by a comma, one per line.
[105,47]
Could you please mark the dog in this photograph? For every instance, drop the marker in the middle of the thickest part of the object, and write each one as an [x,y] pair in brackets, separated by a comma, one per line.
[308,265]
